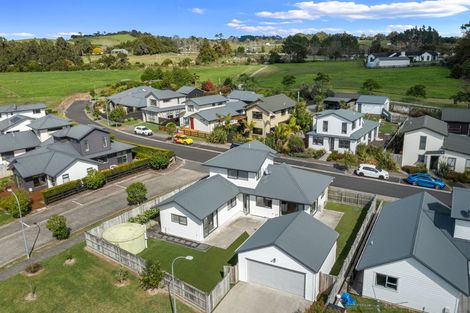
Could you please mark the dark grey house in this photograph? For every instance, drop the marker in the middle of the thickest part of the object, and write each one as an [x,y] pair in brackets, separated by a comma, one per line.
[458,120]
[191,92]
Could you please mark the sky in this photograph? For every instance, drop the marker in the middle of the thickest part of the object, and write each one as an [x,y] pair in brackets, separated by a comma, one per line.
[205,18]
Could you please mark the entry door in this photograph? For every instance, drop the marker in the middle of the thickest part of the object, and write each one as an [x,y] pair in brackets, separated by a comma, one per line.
[209,224]
[332,144]
[191,122]
[276,277]
[246,204]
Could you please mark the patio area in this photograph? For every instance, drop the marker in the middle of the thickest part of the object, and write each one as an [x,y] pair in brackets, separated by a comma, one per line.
[329,217]
[231,230]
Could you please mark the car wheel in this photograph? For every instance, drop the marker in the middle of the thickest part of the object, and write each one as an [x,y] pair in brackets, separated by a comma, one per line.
[414,183]
[361,174]
[437,187]
[135,132]
[381,177]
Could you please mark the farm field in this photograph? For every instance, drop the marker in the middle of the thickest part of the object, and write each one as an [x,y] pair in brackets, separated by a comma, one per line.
[111,40]
[149,59]
[348,76]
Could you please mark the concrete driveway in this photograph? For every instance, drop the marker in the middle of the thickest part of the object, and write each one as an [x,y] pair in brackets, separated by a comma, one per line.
[251,298]
[223,236]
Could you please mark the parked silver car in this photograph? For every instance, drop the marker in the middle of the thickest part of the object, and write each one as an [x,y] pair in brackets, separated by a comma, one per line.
[142,130]
[370,170]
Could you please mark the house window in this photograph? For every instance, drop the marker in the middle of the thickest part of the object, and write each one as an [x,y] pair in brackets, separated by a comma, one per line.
[257,131]
[179,219]
[65,178]
[105,141]
[451,163]
[236,174]
[121,157]
[354,125]
[422,143]
[325,126]
[344,128]
[257,115]
[89,170]
[317,141]
[283,112]
[190,108]
[421,158]
[467,165]
[232,202]
[153,102]
[36,111]
[344,144]
[87,146]
[166,100]
[264,202]
[386,281]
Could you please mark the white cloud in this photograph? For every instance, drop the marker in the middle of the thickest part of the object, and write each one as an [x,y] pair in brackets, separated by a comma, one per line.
[62,34]
[311,10]
[276,29]
[21,34]
[198,10]
[282,23]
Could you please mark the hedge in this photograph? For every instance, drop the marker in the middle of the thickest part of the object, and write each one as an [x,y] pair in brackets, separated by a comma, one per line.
[124,167]
[147,151]
[145,217]
[53,191]
[414,169]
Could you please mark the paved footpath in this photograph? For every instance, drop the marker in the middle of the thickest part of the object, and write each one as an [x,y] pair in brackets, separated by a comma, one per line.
[88,208]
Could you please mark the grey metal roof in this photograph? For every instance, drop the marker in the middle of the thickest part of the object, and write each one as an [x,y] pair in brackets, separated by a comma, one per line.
[49,122]
[185,90]
[247,157]
[205,196]
[78,131]
[352,96]
[348,115]
[208,100]
[409,228]
[291,184]
[244,95]
[461,203]
[19,140]
[457,143]
[427,122]
[275,103]
[455,115]
[158,110]
[234,108]
[393,58]
[136,97]
[379,100]
[13,121]
[367,126]
[337,99]
[12,108]
[299,235]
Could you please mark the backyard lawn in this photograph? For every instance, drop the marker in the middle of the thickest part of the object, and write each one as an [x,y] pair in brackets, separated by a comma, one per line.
[370,306]
[87,286]
[347,228]
[204,271]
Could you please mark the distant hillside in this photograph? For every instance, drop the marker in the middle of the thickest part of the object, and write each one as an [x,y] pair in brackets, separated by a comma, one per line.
[110,40]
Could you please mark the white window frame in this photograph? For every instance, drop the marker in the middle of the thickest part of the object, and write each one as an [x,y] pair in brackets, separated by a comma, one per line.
[65,178]
[263,202]
[387,284]
[232,203]
[179,219]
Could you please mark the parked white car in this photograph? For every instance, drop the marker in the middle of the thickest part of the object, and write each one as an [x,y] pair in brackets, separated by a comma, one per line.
[142,130]
[370,170]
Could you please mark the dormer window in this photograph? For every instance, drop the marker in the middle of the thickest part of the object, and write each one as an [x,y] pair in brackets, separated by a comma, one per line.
[87,146]
[237,174]
[153,102]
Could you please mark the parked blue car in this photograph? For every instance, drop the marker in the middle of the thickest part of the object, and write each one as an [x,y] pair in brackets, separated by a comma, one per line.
[425,180]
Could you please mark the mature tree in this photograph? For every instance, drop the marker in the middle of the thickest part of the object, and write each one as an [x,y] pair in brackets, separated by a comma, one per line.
[288,81]
[136,193]
[462,97]
[370,85]
[171,128]
[207,85]
[321,84]
[417,91]
[248,82]
[8,203]
[206,53]
[117,115]
[302,116]
[57,224]
[296,46]
[152,73]
[274,57]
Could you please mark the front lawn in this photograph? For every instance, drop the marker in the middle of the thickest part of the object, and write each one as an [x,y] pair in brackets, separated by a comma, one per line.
[5,218]
[347,228]
[86,286]
[204,271]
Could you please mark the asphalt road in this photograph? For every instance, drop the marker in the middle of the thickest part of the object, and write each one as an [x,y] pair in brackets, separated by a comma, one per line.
[202,153]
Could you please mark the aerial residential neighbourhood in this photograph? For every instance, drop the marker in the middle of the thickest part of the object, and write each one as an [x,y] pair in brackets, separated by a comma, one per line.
[262,156]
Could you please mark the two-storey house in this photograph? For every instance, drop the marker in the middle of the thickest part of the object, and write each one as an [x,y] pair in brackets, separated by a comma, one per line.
[268,112]
[458,120]
[152,105]
[190,92]
[341,130]
[35,110]
[194,105]
[71,153]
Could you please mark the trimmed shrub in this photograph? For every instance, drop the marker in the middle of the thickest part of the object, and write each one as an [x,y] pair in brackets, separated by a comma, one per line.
[421,168]
[33,268]
[159,161]
[146,152]
[53,191]
[151,276]
[443,169]
[145,217]
[310,153]
[335,156]
[458,177]
[296,144]
[124,167]
[9,204]
[136,193]
[57,224]
[94,180]
[218,135]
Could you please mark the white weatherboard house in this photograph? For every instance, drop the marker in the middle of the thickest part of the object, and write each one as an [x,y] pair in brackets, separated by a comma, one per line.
[289,253]
[35,110]
[243,179]
[372,104]
[427,140]
[341,130]
[155,104]
[417,255]
[386,59]
[195,105]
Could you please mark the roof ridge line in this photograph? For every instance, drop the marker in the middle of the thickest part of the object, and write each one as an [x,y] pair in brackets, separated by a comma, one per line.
[295,181]
[417,224]
[285,228]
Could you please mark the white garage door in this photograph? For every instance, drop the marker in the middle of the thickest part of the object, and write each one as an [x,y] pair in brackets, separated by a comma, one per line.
[276,277]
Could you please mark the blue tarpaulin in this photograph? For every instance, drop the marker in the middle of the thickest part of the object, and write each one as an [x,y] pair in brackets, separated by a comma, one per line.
[347,300]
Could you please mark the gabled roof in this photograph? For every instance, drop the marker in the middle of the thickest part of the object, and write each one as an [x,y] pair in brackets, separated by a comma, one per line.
[185,90]
[166,109]
[299,235]
[208,100]
[457,143]
[19,140]
[13,121]
[78,131]
[409,228]
[353,96]
[461,203]
[379,100]
[347,115]
[234,108]
[393,59]
[137,96]
[205,196]
[49,121]
[12,108]
[455,115]
[247,157]
[427,122]
[274,103]
[244,95]
[291,184]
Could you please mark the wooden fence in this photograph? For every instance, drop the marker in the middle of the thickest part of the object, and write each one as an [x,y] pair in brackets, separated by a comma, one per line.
[346,196]
[64,194]
[120,174]
[194,133]
[354,252]
[326,282]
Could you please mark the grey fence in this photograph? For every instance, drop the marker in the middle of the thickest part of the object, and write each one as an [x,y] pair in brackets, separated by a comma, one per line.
[345,196]
[354,252]
[326,283]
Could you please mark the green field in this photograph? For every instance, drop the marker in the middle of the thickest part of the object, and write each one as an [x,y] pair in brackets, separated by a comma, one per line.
[111,40]
[86,286]
[149,59]
[348,76]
